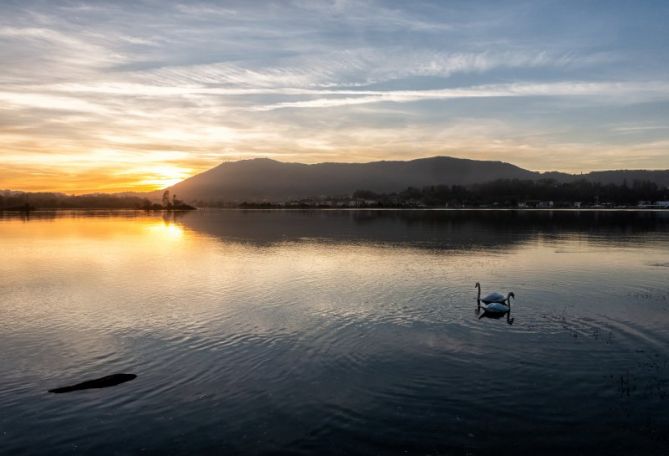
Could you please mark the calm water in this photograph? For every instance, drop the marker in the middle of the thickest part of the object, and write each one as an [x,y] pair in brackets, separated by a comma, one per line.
[335,332]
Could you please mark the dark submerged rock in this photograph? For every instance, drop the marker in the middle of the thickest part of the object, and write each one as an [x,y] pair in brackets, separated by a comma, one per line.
[103,382]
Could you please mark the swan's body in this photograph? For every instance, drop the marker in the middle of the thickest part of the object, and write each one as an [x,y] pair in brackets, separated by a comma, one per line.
[495,297]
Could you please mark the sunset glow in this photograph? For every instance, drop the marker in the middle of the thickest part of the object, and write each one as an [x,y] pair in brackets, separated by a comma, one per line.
[136,96]
[164,176]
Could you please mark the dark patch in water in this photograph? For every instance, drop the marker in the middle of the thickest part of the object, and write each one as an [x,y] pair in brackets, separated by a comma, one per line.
[103,382]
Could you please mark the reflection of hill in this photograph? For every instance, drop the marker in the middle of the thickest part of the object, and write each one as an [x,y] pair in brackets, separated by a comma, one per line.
[437,229]
[429,229]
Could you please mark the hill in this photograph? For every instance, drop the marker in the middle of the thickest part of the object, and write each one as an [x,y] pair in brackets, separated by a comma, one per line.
[269,180]
[262,179]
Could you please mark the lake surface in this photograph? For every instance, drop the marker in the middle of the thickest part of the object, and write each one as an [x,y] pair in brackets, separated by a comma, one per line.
[335,332]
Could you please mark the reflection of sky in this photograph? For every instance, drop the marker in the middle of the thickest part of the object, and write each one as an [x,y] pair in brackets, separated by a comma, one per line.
[238,340]
[118,273]
[205,319]
[141,94]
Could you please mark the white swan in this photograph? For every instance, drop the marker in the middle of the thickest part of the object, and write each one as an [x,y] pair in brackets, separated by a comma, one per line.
[495,298]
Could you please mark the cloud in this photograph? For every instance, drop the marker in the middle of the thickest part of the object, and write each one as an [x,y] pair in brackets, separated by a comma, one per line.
[641,91]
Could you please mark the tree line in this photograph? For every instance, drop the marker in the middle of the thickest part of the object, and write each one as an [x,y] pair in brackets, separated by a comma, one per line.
[514,192]
[22,201]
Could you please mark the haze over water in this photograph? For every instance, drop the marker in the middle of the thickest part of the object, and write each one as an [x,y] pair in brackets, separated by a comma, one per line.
[331,332]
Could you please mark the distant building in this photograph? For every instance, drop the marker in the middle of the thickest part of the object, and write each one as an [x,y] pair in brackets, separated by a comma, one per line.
[655,205]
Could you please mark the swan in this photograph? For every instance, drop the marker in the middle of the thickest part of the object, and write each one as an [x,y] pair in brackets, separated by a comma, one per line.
[495,298]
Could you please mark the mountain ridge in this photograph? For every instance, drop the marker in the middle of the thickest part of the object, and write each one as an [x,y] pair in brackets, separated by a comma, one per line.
[265,179]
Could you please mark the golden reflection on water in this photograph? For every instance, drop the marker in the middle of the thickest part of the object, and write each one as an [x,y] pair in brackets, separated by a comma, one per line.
[90,227]
[94,273]
[70,236]
[168,230]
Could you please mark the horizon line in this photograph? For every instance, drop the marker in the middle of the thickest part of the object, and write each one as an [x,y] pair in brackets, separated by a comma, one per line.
[266,158]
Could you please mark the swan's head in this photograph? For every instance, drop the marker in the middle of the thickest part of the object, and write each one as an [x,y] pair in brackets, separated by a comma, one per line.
[478,285]
[511,295]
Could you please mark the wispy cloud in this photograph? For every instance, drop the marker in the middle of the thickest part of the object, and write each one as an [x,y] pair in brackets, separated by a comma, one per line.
[640,91]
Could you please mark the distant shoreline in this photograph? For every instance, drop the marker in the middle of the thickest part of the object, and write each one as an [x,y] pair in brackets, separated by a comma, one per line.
[330,209]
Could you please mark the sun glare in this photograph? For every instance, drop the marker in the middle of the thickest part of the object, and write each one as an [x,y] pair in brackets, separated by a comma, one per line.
[167,230]
[164,176]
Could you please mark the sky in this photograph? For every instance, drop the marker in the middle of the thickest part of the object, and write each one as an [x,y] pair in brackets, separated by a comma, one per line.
[132,96]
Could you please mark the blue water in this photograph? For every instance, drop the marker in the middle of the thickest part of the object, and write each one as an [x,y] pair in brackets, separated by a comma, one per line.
[335,332]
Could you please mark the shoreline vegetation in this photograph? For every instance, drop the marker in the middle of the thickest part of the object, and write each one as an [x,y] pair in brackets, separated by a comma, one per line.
[499,194]
[11,201]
